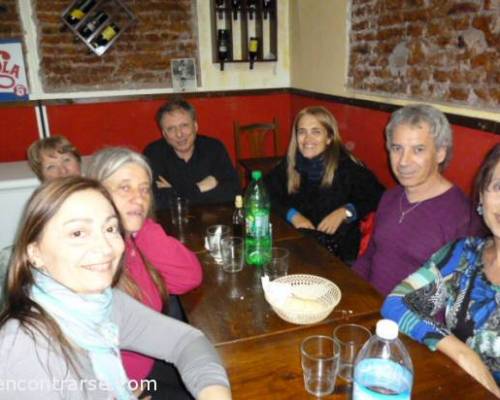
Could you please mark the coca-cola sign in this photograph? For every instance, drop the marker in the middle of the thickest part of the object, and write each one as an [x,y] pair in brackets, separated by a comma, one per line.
[13,83]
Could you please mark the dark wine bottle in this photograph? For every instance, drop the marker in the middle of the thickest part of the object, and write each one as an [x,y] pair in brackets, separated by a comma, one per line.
[253,48]
[252,8]
[236,8]
[106,35]
[78,13]
[222,46]
[219,5]
[94,24]
[267,7]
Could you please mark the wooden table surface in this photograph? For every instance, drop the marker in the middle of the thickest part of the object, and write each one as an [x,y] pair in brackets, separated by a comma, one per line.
[192,233]
[232,307]
[261,351]
[269,368]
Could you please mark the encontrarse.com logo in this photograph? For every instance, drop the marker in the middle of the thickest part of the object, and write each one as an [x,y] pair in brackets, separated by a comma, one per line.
[62,385]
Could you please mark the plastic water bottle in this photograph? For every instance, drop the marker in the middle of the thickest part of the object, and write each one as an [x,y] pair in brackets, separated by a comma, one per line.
[258,240]
[383,369]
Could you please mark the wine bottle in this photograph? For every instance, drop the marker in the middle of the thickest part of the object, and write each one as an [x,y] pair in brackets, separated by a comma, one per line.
[252,8]
[253,48]
[106,35]
[222,46]
[219,5]
[79,12]
[238,217]
[267,6]
[236,7]
[94,24]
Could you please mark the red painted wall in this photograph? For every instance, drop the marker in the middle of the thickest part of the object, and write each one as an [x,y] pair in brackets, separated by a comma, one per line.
[364,129]
[132,123]
[18,129]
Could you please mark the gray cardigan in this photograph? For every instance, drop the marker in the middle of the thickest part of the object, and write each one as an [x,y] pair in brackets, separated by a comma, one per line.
[32,368]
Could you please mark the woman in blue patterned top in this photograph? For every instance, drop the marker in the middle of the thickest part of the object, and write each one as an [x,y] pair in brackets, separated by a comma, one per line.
[463,279]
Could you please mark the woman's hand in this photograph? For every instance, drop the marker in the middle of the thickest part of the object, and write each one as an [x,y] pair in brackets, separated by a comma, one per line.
[332,221]
[301,222]
[469,361]
[214,392]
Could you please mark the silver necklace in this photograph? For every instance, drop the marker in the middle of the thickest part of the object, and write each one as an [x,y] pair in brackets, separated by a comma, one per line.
[404,213]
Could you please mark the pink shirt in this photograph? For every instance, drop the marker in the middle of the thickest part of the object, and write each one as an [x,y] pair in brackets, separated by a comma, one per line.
[179,268]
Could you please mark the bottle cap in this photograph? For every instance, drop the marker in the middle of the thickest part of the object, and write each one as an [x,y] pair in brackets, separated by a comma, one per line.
[387,329]
[238,201]
[256,175]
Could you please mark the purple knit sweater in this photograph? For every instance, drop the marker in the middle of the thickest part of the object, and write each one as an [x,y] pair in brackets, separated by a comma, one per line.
[398,249]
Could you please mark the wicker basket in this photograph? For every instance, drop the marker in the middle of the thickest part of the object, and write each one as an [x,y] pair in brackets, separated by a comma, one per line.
[313,299]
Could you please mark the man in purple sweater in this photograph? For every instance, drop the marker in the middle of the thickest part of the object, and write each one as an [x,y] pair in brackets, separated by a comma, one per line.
[425,211]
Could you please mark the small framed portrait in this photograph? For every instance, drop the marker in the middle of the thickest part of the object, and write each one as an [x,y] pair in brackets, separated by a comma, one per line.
[183,74]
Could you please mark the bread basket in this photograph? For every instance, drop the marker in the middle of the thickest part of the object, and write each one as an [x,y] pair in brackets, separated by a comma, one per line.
[308,299]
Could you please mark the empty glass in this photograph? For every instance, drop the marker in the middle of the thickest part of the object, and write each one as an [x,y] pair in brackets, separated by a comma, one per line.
[278,266]
[320,364]
[350,338]
[179,210]
[232,253]
[214,235]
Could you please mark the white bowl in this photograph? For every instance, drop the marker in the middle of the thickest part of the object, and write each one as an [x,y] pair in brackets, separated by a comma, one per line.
[313,299]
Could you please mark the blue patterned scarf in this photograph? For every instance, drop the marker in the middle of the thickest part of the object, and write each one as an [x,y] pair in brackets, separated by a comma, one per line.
[485,301]
[85,320]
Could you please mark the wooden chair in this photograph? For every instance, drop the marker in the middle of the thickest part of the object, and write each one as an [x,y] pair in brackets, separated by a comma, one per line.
[251,151]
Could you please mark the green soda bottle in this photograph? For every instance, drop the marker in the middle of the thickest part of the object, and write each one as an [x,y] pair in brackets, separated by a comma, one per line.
[258,239]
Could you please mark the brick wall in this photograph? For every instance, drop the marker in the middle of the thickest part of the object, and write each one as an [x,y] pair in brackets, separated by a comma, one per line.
[440,50]
[140,57]
[10,24]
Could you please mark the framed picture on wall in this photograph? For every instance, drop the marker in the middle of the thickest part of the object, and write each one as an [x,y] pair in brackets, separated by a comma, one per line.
[13,82]
[183,74]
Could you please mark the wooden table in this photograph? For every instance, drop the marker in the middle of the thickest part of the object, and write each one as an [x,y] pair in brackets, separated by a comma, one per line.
[232,307]
[269,368]
[261,351]
[192,233]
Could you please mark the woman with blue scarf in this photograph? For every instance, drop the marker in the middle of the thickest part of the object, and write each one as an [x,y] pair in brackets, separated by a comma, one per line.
[462,279]
[63,324]
[321,188]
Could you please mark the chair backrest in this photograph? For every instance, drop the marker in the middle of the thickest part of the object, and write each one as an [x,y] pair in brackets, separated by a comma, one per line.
[256,135]
[250,143]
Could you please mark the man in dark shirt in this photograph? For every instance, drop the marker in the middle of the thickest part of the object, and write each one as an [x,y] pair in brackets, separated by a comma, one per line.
[186,164]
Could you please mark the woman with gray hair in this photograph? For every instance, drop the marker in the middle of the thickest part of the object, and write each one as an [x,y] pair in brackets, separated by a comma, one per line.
[425,211]
[155,263]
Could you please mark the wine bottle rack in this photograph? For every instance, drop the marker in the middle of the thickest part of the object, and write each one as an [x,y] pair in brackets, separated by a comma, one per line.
[100,23]
[245,21]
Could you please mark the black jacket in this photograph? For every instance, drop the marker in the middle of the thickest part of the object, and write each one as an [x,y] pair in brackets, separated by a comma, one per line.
[353,183]
[209,158]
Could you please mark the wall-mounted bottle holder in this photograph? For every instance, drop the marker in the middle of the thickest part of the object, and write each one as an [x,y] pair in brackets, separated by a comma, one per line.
[98,23]
[244,31]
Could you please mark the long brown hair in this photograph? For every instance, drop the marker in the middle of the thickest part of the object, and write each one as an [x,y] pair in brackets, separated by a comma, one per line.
[41,208]
[331,154]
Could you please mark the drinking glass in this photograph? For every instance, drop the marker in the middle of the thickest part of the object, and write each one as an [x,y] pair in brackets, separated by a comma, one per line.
[320,364]
[350,338]
[278,265]
[214,235]
[179,210]
[232,253]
